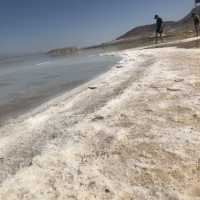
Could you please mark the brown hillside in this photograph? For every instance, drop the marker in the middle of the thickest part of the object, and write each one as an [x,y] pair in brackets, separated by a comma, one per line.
[182,25]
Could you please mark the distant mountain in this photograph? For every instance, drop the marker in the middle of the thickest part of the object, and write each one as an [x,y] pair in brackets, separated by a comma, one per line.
[144,31]
[184,25]
[63,51]
[141,36]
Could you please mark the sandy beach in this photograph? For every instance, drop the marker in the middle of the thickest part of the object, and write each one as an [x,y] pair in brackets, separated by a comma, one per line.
[130,134]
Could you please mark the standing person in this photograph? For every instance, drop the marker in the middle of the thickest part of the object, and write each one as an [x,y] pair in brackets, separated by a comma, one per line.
[159,27]
[196,21]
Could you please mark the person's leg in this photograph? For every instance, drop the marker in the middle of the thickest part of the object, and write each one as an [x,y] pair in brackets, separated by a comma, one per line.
[197,30]
[161,37]
[156,38]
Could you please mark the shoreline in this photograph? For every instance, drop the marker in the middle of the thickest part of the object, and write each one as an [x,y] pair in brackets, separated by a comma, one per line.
[134,136]
[14,112]
[23,104]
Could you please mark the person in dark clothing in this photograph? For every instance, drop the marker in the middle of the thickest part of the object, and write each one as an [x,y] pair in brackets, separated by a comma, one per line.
[159,27]
[196,21]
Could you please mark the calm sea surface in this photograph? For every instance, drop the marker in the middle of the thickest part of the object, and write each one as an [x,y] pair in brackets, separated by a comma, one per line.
[28,81]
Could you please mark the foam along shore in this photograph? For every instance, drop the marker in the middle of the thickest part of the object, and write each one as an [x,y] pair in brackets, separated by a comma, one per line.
[132,133]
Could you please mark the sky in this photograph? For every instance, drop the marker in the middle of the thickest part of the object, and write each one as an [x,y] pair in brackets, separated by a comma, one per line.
[39,25]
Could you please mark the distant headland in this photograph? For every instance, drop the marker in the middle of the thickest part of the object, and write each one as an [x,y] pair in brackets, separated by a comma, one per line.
[63,51]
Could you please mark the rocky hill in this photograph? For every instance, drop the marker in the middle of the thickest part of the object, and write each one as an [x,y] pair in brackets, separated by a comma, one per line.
[184,25]
[142,31]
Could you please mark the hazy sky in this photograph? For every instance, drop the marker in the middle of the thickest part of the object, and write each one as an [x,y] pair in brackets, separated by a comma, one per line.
[37,25]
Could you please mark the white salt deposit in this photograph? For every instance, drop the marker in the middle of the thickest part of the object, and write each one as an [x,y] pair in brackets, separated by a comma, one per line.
[130,138]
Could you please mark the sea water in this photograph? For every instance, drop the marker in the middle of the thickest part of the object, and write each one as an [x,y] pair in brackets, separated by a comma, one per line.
[28,81]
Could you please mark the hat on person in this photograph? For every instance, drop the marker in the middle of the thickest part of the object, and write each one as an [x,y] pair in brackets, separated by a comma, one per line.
[156,16]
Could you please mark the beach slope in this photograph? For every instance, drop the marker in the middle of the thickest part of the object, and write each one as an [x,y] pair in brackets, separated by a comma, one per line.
[132,133]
